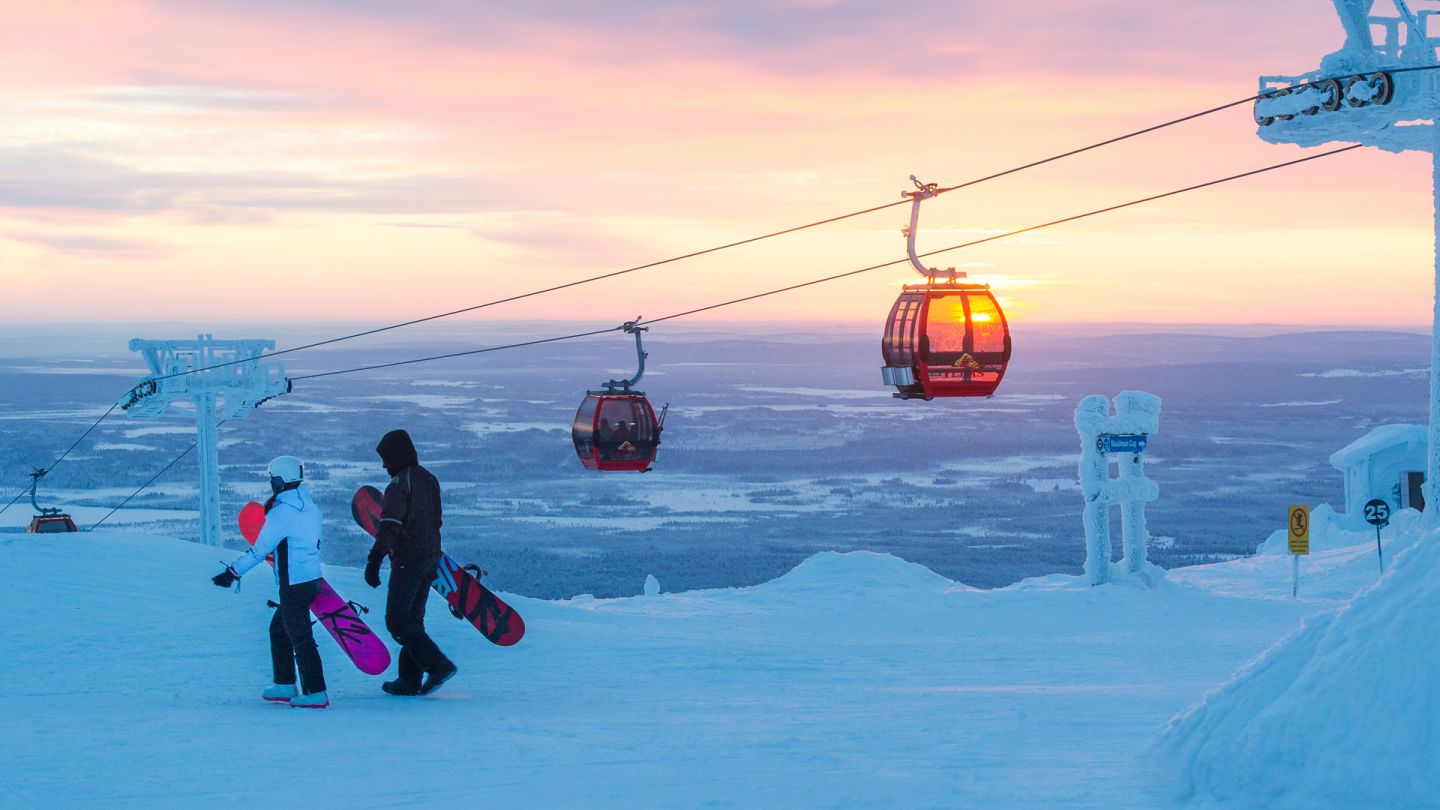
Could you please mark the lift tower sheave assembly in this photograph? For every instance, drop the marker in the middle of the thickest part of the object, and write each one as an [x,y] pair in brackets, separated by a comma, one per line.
[1378,90]
[224,379]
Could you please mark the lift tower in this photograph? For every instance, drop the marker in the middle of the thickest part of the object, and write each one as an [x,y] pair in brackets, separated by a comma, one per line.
[224,379]
[1377,90]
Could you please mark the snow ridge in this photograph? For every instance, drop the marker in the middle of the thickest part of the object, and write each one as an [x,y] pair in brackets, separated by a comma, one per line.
[1343,713]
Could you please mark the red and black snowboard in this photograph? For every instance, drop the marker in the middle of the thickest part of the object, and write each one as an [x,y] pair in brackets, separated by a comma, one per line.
[338,616]
[468,599]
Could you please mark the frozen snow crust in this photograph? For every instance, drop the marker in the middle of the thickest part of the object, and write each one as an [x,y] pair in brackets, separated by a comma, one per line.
[1345,713]
[855,680]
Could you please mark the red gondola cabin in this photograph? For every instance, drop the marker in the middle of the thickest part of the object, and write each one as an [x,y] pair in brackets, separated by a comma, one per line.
[616,431]
[945,340]
[615,428]
[48,524]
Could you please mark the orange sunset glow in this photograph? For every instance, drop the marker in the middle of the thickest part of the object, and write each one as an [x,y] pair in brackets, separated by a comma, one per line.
[238,161]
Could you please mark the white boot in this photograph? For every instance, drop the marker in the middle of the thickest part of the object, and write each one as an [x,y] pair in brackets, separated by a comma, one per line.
[314,700]
[279,693]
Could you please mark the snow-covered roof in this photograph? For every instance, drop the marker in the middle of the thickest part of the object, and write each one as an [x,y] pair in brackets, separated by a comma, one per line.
[1380,439]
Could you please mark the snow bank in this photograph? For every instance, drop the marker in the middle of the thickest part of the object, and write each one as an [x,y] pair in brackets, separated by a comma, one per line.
[1344,713]
[869,572]
[1330,531]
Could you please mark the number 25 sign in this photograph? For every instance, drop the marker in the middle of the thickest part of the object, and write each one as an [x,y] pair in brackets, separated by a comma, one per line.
[1377,513]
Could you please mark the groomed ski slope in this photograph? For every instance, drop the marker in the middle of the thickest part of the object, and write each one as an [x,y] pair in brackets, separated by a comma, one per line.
[855,680]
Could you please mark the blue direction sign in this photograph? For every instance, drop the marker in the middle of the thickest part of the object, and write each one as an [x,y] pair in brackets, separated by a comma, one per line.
[1121,442]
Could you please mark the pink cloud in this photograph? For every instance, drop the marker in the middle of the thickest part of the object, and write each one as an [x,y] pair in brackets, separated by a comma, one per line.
[613,133]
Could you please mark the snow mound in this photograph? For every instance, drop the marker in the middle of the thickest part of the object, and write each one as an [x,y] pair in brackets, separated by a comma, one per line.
[831,572]
[1343,713]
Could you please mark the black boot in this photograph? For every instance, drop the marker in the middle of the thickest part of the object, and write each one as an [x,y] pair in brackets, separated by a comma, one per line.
[400,688]
[438,676]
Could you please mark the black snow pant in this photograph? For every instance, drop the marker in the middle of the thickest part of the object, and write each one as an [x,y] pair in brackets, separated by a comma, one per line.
[291,639]
[405,619]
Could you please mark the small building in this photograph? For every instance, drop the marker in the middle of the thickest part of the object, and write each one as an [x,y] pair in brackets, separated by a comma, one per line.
[1386,463]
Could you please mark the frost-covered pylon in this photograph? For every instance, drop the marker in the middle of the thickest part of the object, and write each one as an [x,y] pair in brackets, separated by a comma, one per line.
[233,383]
[1376,93]
[1136,417]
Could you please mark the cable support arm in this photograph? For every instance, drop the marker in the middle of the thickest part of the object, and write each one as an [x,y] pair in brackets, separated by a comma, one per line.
[923,191]
[632,327]
[35,485]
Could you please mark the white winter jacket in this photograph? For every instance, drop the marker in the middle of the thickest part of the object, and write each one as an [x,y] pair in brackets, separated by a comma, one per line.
[292,531]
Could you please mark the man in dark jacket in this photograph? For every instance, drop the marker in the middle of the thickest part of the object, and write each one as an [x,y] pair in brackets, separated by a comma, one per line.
[409,534]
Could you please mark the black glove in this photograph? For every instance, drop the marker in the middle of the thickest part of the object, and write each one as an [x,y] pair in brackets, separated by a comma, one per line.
[225,578]
[372,569]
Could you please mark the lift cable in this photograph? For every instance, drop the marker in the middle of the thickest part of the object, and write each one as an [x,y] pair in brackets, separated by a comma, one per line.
[163,470]
[828,220]
[546,290]
[750,240]
[741,242]
[496,302]
[1008,234]
[846,274]
[813,282]
[75,444]
[460,354]
[13,500]
[717,248]
[1127,136]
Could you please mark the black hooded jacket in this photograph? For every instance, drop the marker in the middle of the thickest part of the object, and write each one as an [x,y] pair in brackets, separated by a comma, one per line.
[410,514]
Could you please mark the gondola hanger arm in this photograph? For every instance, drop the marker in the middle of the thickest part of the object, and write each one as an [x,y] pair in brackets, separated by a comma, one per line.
[633,328]
[923,191]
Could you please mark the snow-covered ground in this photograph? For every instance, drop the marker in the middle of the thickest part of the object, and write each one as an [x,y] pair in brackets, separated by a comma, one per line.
[854,680]
[1343,713]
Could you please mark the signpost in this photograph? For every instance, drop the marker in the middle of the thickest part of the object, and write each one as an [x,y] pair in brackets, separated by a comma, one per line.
[1377,514]
[1120,437]
[1299,531]
[1121,442]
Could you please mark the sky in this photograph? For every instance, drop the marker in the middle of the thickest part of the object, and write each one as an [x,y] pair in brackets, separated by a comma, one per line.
[381,160]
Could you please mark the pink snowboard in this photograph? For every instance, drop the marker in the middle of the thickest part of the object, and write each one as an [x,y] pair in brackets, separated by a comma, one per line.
[338,616]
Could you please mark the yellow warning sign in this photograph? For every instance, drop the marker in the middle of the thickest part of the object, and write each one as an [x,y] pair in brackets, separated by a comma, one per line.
[1299,529]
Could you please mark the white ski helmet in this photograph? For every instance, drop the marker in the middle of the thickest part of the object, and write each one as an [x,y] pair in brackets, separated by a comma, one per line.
[287,468]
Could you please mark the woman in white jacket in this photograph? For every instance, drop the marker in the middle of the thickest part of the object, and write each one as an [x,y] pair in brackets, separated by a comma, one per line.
[292,533]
